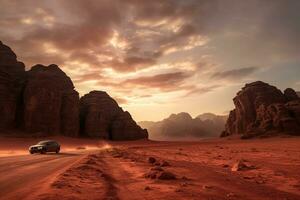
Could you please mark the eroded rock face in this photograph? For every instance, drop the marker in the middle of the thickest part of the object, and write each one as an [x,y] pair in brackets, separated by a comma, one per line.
[100,116]
[51,105]
[261,108]
[11,82]
[43,101]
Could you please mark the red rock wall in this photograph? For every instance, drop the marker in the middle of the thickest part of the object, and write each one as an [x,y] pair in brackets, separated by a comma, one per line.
[11,77]
[261,108]
[50,102]
[43,101]
[100,116]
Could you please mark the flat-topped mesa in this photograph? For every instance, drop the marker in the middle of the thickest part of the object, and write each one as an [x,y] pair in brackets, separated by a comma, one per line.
[100,116]
[12,74]
[51,105]
[263,109]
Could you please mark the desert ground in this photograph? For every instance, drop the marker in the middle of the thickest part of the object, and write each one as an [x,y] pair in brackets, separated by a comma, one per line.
[227,168]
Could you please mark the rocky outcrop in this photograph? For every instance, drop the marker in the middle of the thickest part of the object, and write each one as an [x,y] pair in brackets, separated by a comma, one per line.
[11,81]
[182,126]
[51,105]
[100,116]
[263,109]
[43,101]
[290,94]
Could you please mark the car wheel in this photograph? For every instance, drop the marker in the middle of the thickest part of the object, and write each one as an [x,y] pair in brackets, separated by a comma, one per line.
[43,151]
[30,152]
[57,151]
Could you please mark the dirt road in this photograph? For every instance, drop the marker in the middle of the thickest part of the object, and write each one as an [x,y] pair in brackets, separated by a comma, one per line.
[180,170]
[27,174]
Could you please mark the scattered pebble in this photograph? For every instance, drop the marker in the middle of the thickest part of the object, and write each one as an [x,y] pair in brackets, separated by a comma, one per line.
[225,166]
[165,175]
[229,195]
[151,160]
[260,181]
[147,188]
[241,165]
[248,177]
[164,164]
[157,168]
[151,174]
[207,187]
[184,184]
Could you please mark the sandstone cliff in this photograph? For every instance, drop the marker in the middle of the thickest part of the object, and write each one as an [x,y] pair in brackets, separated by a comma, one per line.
[51,105]
[263,109]
[100,116]
[43,101]
[11,81]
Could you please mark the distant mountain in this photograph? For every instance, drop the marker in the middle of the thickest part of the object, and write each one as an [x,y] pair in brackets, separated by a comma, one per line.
[182,126]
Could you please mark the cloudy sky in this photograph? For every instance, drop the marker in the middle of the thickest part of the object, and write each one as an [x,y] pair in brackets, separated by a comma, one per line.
[158,57]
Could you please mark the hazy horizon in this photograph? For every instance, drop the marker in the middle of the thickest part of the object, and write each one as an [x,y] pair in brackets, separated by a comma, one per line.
[160,57]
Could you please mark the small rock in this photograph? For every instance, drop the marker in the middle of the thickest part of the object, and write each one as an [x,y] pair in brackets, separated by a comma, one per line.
[166,176]
[260,181]
[184,184]
[151,174]
[164,164]
[147,188]
[207,187]
[229,195]
[151,160]
[157,163]
[248,177]
[225,166]
[157,168]
[241,165]
[178,190]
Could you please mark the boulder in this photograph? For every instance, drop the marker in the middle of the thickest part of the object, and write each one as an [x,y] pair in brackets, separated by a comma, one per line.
[100,116]
[51,105]
[290,94]
[262,109]
[12,74]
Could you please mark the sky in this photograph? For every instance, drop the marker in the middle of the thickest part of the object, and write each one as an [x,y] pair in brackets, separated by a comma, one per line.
[161,56]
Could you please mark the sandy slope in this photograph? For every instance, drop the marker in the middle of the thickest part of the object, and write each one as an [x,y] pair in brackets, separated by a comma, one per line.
[202,170]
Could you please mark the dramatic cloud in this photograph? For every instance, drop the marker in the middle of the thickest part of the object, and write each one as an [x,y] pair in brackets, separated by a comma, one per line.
[160,80]
[174,49]
[234,74]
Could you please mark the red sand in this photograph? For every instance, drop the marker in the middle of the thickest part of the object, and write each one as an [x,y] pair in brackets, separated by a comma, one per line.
[202,170]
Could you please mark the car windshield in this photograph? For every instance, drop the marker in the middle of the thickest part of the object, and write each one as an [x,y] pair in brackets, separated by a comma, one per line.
[43,142]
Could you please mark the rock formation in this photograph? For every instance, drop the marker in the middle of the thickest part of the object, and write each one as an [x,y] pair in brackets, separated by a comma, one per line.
[51,105]
[11,77]
[263,109]
[43,101]
[183,126]
[100,116]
